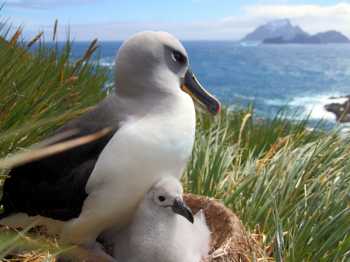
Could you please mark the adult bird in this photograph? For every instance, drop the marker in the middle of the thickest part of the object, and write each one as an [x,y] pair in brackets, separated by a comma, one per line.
[98,185]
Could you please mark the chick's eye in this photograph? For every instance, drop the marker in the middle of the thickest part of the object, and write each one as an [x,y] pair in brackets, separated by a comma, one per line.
[161,198]
[178,57]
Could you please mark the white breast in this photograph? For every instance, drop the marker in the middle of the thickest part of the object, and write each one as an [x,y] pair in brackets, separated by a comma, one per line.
[139,154]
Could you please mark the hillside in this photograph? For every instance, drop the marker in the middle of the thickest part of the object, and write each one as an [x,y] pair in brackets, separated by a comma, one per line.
[283,32]
[329,37]
[278,28]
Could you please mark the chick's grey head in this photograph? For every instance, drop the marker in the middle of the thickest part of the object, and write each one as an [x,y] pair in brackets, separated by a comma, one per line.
[166,195]
[152,64]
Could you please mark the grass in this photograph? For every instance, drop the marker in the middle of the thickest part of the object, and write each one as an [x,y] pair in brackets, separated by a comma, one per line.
[293,188]
[286,182]
[42,90]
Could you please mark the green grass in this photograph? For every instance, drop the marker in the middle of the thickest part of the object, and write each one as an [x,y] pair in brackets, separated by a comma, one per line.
[42,90]
[289,183]
[284,181]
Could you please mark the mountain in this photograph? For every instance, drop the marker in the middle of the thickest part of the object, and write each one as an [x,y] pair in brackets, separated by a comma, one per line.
[277,28]
[329,37]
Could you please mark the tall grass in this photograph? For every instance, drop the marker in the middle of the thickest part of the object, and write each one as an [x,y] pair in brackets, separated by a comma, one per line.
[42,89]
[286,182]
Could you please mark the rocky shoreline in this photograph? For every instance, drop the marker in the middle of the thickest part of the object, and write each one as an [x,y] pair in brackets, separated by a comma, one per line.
[340,110]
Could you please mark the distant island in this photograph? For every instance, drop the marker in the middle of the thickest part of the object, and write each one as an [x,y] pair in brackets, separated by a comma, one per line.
[283,32]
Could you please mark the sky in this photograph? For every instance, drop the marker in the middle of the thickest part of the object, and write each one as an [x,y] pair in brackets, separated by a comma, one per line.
[187,19]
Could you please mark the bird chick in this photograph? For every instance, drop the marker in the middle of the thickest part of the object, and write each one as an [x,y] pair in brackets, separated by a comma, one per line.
[163,229]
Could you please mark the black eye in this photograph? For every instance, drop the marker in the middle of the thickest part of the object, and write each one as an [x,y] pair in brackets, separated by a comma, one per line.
[178,57]
[161,198]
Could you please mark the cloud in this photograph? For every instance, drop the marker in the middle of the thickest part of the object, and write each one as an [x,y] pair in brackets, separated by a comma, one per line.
[312,18]
[298,11]
[44,4]
[232,30]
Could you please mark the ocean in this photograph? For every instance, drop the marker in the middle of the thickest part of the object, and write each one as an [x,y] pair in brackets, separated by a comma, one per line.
[297,78]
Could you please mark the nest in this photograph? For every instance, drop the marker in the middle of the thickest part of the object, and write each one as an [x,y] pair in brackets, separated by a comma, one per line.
[229,240]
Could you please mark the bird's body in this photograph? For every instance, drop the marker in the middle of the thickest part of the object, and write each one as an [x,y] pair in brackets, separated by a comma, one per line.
[158,234]
[113,178]
[99,184]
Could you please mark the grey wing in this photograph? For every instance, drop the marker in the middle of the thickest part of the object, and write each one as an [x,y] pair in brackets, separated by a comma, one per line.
[54,186]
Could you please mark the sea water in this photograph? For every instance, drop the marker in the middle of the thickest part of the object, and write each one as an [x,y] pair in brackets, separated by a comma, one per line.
[302,78]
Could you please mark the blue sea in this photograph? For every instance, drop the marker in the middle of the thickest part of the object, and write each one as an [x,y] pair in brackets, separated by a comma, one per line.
[271,77]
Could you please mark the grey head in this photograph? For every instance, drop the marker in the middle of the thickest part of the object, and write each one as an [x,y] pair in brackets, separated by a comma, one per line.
[166,196]
[155,64]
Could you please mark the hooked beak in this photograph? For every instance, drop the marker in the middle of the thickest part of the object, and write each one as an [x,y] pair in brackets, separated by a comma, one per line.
[179,207]
[192,87]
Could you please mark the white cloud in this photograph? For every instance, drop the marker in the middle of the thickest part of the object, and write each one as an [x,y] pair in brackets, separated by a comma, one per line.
[312,18]
[232,30]
[43,4]
[297,11]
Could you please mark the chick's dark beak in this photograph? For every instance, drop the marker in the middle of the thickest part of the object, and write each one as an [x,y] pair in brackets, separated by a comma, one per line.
[180,208]
[193,87]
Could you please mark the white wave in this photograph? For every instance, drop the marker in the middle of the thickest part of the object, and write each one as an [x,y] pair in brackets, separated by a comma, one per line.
[107,62]
[250,44]
[314,105]
[276,102]
[344,130]
[243,97]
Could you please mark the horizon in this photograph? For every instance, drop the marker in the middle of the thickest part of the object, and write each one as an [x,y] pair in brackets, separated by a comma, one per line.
[189,20]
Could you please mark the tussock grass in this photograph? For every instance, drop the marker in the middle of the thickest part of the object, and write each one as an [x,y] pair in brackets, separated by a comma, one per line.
[288,184]
[42,89]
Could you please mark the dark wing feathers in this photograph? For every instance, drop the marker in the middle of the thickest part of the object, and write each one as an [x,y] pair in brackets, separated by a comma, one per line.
[55,186]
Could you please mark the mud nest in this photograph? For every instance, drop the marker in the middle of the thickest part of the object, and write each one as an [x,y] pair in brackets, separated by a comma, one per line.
[229,240]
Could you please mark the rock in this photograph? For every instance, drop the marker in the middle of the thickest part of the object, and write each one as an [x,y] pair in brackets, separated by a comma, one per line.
[341,110]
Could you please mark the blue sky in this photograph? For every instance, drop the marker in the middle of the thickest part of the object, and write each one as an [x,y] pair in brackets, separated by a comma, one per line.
[188,19]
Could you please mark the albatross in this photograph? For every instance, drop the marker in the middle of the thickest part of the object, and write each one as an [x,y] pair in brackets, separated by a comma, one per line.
[163,229]
[98,185]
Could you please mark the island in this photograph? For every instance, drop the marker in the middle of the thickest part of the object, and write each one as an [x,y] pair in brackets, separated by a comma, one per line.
[284,32]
